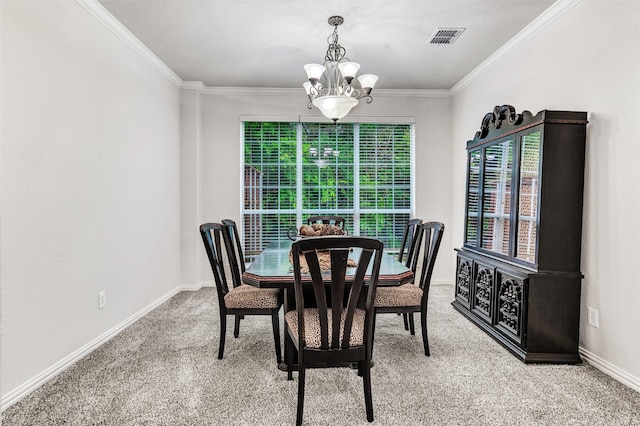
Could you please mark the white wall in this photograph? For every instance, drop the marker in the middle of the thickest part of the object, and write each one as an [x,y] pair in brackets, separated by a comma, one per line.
[190,194]
[89,185]
[221,149]
[586,60]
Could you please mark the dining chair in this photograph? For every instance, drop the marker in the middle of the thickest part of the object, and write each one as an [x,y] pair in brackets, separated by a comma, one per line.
[408,255]
[412,297]
[327,220]
[337,329]
[240,300]
[235,256]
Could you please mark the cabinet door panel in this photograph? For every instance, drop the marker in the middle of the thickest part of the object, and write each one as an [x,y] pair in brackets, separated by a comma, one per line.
[511,306]
[473,199]
[496,197]
[528,197]
[483,285]
[464,276]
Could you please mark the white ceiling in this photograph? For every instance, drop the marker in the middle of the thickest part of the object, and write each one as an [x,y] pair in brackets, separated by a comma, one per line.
[265,43]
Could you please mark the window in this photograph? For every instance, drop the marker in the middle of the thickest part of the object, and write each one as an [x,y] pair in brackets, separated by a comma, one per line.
[363,172]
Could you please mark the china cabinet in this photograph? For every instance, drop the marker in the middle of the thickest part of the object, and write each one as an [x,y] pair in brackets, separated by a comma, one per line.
[518,273]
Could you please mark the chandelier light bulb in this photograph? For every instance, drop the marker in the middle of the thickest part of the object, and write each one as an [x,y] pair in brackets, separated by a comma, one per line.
[348,70]
[307,87]
[368,81]
[314,71]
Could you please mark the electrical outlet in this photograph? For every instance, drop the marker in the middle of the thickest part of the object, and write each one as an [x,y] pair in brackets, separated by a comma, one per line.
[593,317]
[102,299]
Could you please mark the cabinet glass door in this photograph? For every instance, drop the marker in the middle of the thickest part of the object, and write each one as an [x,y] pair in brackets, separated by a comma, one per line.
[473,200]
[496,197]
[528,196]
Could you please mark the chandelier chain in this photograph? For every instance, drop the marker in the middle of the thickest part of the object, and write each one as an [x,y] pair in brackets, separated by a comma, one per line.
[335,52]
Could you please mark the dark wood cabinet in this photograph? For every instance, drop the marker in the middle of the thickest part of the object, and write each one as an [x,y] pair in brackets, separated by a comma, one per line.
[518,273]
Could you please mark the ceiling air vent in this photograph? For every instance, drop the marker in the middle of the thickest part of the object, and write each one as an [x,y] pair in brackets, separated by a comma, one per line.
[445,35]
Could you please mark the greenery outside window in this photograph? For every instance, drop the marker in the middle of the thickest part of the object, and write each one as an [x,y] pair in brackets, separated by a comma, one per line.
[361,171]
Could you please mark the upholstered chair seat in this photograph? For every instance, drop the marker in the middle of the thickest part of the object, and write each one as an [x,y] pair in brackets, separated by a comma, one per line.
[250,297]
[404,295]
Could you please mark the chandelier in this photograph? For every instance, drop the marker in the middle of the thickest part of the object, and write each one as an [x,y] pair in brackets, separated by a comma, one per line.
[329,87]
[322,159]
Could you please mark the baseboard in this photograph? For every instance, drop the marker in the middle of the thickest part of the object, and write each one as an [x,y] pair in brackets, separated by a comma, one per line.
[197,286]
[442,281]
[610,369]
[57,368]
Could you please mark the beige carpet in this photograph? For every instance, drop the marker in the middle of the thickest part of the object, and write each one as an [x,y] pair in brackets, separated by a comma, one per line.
[163,370]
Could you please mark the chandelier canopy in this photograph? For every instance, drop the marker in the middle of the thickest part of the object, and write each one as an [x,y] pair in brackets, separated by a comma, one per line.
[329,87]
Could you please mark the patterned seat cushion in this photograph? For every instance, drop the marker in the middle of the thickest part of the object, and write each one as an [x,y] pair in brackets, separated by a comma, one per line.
[404,295]
[250,297]
[312,326]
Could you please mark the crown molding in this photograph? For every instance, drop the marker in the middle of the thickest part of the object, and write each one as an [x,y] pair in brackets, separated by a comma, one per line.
[193,85]
[545,19]
[282,91]
[107,19]
[250,91]
[413,93]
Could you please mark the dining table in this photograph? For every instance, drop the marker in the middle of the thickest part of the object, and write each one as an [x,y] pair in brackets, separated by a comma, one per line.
[273,269]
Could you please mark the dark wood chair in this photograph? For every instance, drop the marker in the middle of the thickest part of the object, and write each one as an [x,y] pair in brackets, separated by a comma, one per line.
[237,264]
[240,300]
[408,255]
[327,220]
[410,298]
[321,336]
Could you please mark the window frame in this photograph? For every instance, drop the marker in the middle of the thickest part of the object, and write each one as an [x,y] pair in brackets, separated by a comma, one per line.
[356,212]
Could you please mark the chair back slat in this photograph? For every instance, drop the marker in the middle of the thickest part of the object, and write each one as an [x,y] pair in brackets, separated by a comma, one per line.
[317,281]
[299,296]
[345,299]
[409,253]
[233,246]
[356,290]
[339,258]
[408,245]
[413,256]
[211,237]
[432,235]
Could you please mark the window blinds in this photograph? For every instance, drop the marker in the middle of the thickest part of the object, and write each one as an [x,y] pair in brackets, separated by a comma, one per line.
[363,172]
